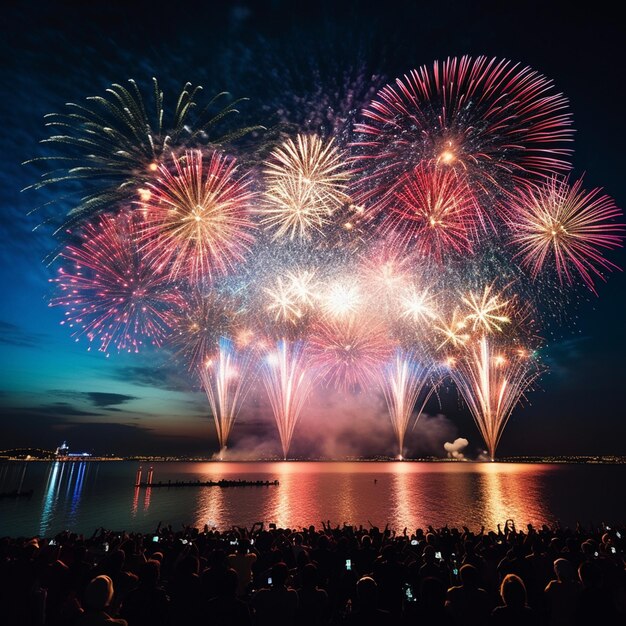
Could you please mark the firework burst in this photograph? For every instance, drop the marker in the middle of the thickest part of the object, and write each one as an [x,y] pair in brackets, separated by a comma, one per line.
[490,118]
[111,294]
[567,226]
[348,353]
[434,213]
[305,182]
[487,311]
[198,217]
[113,145]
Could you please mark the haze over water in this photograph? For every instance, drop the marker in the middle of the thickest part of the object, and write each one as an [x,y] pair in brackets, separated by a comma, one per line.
[82,496]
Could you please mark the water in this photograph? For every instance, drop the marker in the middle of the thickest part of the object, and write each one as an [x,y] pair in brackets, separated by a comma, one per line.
[82,496]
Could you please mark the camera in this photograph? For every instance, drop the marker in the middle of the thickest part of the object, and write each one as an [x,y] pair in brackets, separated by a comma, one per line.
[348,565]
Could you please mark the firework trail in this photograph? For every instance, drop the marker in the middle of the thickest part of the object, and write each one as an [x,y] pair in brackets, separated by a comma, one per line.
[111,294]
[348,353]
[225,378]
[487,311]
[288,383]
[305,182]
[198,217]
[492,383]
[402,381]
[112,145]
[567,226]
[488,118]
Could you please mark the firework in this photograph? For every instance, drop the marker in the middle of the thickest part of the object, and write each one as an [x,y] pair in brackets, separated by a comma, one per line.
[284,304]
[492,383]
[111,294]
[202,322]
[288,384]
[341,299]
[402,381]
[455,333]
[418,305]
[567,226]
[347,353]
[225,379]
[487,311]
[433,214]
[305,182]
[113,144]
[489,118]
[198,216]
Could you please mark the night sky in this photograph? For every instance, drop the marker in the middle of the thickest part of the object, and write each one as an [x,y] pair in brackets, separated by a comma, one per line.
[283,58]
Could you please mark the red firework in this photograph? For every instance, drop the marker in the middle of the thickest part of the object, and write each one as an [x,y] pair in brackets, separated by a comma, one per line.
[198,216]
[565,225]
[111,294]
[348,352]
[435,213]
[489,117]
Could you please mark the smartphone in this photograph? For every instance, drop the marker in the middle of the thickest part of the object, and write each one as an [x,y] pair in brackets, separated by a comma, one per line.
[455,571]
[184,541]
[251,542]
[613,550]
[52,542]
[595,554]
[105,545]
[234,542]
[413,542]
[408,593]
[155,539]
[618,534]
[348,565]
[269,580]
[438,555]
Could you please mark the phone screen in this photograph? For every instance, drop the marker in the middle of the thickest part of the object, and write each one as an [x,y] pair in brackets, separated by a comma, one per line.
[348,565]
[269,580]
[408,593]
[155,539]
[438,555]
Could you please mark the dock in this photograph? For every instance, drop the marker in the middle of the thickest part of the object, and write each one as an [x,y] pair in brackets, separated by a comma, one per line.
[208,483]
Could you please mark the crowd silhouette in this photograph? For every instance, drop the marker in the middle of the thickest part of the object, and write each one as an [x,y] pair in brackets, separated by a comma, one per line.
[315,576]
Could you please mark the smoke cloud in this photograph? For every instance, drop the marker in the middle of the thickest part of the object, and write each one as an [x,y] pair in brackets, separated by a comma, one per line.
[455,448]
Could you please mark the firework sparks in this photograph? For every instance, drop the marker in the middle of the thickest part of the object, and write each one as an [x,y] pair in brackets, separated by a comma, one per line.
[488,118]
[111,294]
[402,381]
[288,384]
[305,182]
[113,145]
[492,384]
[566,225]
[488,312]
[418,305]
[198,217]
[341,299]
[455,332]
[225,379]
[348,353]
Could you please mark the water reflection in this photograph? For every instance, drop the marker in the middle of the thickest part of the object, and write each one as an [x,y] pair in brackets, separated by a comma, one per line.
[56,504]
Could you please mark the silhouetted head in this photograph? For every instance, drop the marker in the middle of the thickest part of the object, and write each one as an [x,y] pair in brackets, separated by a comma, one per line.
[367,591]
[563,570]
[308,575]
[432,593]
[150,573]
[98,593]
[280,572]
[469,575]
[513,591]
[429,554]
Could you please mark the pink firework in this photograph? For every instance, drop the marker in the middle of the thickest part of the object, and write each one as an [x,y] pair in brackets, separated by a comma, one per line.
[435,213]
[111,294]
[562,224]
[347,353]
[488,117]
[198,216]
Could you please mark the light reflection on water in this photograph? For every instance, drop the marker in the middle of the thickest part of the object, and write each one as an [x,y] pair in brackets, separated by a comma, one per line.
[84,495]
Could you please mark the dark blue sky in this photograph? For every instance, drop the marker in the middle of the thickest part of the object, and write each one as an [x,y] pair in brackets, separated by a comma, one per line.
[281,57]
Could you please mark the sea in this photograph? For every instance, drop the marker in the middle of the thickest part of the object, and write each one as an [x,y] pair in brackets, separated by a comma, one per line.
[82,496]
